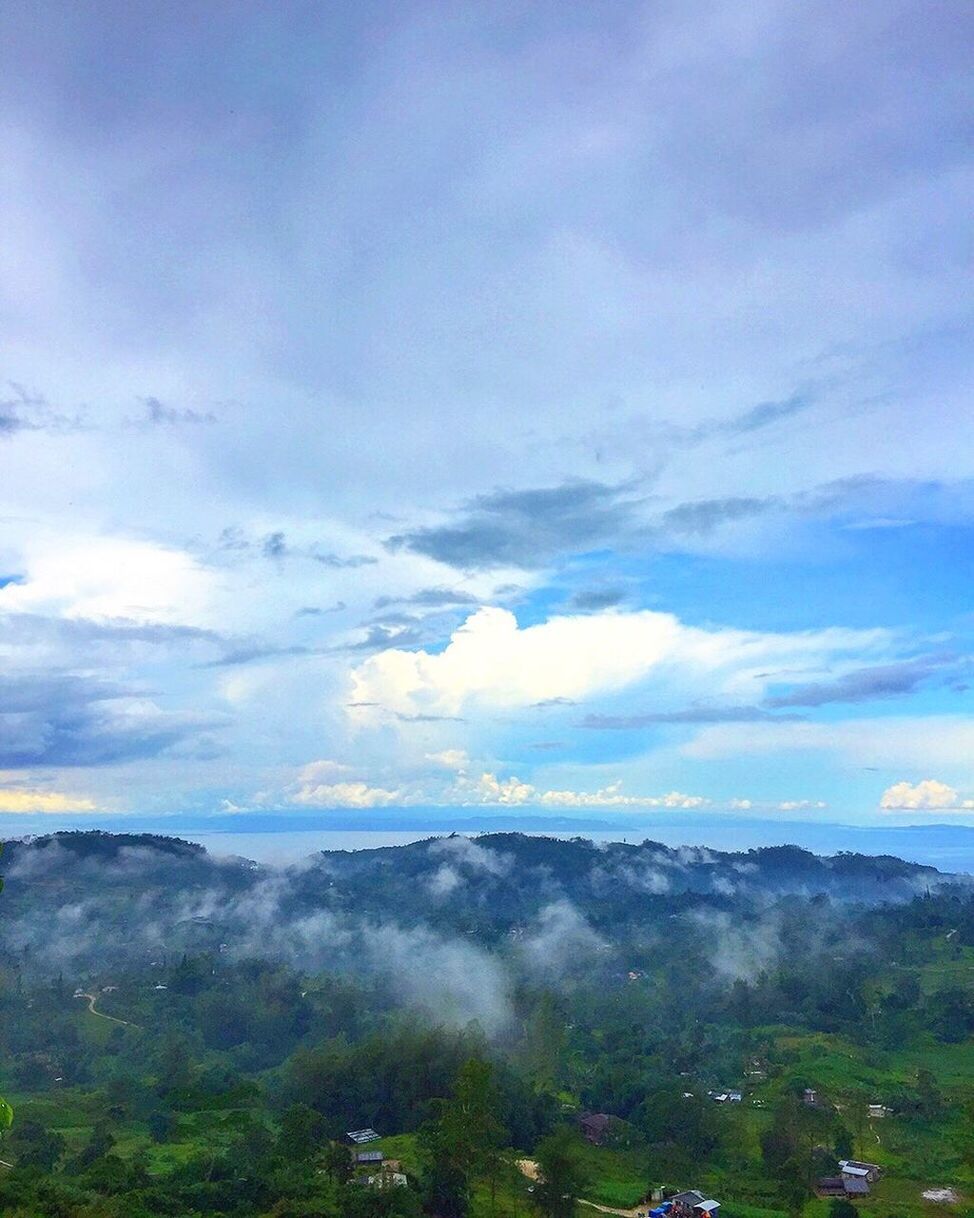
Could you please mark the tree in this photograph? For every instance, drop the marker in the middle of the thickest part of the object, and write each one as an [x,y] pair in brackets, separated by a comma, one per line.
[561,1174]
[337,1162]
[35,1146]
[301,1132]
[839,1207]
[843,1143]
[858,1110]
[471,1124]
[160,1124]
[446,1191]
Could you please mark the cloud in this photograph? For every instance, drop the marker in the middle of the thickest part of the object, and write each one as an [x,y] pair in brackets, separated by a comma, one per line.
[74,720]
[465,852]
[430,598]
[338,562]
[884,742]
[527,528]
[450,759]
[693,714]
[111,578]
[866,684]
[322,784]
[488,788]
[705,515]
[443,881]
[25,800]
[928,795]
[559,937]
[158,414]
[248,655]
[592,599]
[24,411]
[764,414]
[492,661]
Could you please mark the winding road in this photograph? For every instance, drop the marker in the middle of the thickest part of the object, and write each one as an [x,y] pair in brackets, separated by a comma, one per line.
[126,1023]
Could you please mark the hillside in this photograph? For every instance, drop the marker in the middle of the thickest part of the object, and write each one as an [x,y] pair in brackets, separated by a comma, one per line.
[171,1022]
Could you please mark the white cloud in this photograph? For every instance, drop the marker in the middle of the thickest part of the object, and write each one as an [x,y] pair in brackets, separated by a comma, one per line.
[929,795]
[449,759]
[110,577]
[489,789]
[492,661]
[321,785]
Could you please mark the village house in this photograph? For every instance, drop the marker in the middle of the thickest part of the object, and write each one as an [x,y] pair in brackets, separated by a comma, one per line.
[860,1171]
[842,1186]
[693,1204]
[361,1136]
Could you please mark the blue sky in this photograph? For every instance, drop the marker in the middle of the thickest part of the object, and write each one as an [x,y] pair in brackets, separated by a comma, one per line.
[535,406]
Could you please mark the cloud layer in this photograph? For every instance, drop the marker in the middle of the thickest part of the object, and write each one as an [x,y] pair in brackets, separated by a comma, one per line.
[582,390]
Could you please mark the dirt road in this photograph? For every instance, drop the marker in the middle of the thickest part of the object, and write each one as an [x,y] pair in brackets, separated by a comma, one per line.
[529,1168]
[101,1014]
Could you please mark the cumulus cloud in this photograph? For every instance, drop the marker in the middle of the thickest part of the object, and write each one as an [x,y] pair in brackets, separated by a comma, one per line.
[491,659]
[488,788]
[323,784]
[930,795]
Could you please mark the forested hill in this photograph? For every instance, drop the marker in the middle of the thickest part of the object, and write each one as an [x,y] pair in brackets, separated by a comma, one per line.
[184,1034]
[76,897]
[518,870]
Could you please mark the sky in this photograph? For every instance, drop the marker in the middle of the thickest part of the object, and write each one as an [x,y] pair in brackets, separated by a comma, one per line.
[534,406]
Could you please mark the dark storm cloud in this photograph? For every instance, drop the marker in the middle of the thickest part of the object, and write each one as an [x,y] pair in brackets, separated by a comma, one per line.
[528,528]
[66,719]
[867,684]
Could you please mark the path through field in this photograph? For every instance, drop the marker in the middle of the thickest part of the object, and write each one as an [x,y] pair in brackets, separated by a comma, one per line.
[529,1168]
[126,1023]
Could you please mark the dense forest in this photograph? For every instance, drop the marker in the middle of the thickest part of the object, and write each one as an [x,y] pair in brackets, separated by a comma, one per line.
[187,1035]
